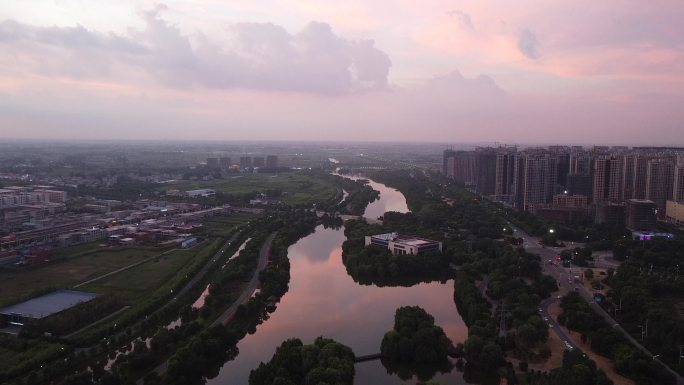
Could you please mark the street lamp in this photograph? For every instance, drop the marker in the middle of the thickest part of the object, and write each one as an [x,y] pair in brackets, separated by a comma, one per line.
[551,231]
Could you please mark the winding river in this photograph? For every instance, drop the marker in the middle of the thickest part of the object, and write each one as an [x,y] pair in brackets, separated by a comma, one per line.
[324,300]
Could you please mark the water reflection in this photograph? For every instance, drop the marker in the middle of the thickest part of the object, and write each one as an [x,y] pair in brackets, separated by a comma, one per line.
[324,300]
[390,199]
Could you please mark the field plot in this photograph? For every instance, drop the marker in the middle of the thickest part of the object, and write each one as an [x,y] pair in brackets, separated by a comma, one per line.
[221,226]
[61,274]
[296,188]
[140,281]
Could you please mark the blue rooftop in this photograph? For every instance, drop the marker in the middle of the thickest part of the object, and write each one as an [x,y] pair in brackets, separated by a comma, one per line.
[43,306]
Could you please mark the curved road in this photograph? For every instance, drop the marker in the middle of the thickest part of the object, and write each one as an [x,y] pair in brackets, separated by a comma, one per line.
[562,276]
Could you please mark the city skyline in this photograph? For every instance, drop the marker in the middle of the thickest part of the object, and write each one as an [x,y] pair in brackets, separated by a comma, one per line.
[470,72]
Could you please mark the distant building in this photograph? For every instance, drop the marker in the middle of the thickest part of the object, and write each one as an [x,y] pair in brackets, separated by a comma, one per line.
[190,242]
[44,306]
[258,161]
[607,179]
[534,179]
[224,162]
[213,163]
[579,184]
[403,244]
[448,157]
[660,184]
[678,191]
[563,200]
[205,192]
[245,162]
[609,213]
[272,161]
[641,214]
[675,212]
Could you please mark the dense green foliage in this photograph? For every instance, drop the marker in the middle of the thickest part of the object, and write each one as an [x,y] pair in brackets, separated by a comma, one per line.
[577,369]
[378,265]
[629,361]
[648,287]
[415,338]
[325,361]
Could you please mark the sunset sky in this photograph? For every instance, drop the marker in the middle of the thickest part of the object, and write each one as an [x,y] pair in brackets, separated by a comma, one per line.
[526,71]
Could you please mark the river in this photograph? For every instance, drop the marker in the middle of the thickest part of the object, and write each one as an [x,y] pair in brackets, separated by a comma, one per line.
[324,300]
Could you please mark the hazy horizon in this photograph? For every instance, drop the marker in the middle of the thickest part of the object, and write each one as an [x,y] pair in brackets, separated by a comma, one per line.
[482,72]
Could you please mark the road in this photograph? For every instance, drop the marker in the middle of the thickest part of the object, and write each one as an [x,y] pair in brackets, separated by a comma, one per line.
[246,294]
[562,276]
[189,285]
[251,286]
[203,271]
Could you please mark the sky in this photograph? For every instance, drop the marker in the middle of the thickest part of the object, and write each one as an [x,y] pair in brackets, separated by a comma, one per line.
[524,71]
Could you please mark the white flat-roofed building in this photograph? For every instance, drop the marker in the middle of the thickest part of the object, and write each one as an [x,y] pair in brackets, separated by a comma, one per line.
[205,192]
[403,244]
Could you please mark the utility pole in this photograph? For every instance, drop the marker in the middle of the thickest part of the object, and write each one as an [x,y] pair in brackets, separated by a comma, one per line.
[680,354]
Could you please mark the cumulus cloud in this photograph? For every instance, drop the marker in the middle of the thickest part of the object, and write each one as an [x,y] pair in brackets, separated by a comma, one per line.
[527,43]
[260,56]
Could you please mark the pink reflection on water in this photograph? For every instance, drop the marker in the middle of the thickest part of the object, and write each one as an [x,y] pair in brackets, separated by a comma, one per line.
[324,300]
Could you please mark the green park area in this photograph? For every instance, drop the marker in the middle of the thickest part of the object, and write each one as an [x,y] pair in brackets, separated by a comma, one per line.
[292,187]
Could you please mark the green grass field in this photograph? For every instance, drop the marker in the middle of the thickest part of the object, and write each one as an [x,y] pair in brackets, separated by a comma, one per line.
[76,264]
[221,226]
[300,189]
[134,284]
[66,273]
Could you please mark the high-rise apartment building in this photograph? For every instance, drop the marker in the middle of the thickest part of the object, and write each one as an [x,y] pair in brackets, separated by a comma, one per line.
[505,162]
[641,214]
[660,183]
[245,162]
[678,190]
[639,179]
[258,161]
[535,178]
[486,171]
[213,163]
[272,161]
[224,162]
[448,158]
[580,163]
[607,179]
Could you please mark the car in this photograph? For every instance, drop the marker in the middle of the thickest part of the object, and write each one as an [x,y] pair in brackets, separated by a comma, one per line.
[550,324]
[539,309]
[546,318]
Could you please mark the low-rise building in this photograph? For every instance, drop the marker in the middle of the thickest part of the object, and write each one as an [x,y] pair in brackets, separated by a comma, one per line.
[403,244]
[674,212]
[641,214]
[205,192]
